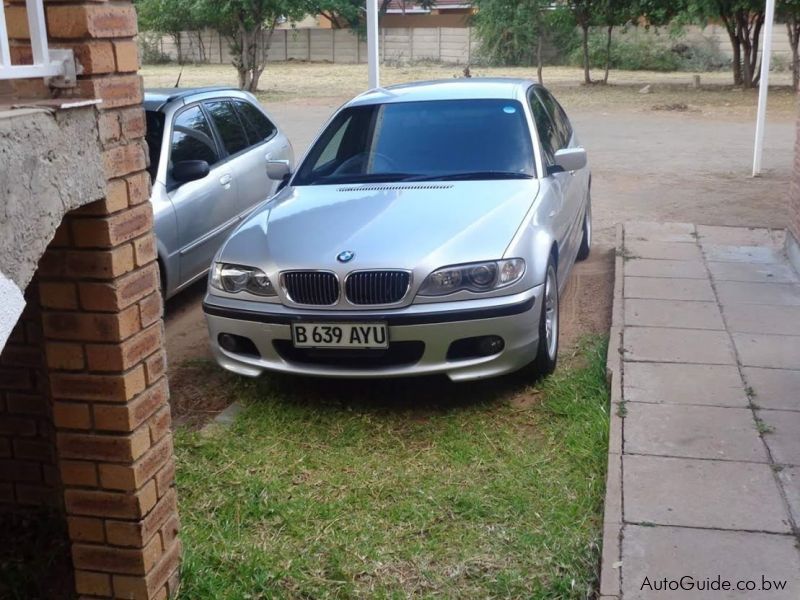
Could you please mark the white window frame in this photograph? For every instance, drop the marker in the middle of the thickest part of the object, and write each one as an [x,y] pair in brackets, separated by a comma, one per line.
[47,62]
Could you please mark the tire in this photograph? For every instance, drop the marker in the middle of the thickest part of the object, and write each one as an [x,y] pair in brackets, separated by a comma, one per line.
[586,242]
[547,350]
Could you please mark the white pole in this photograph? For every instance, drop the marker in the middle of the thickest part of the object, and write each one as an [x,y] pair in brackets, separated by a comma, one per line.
[372,44]
[763,87]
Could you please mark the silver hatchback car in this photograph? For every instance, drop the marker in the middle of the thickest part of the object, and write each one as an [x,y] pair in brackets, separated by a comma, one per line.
[209,150]
[429,229]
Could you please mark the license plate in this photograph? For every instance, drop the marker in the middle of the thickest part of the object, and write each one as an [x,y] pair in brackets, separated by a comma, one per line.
[340,335]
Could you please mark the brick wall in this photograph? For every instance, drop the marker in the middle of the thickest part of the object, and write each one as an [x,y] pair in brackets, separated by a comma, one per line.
[87,363]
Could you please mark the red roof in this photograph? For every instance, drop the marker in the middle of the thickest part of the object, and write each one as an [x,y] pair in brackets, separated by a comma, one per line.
[408,5]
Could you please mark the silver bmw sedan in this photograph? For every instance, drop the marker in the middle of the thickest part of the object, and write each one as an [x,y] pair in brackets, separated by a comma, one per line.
[429,229]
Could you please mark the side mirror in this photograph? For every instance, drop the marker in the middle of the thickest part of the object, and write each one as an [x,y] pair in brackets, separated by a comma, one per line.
[571,159]
[278,170]
[189,170]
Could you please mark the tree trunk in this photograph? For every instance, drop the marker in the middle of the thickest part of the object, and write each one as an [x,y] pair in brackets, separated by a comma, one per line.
[736,49]
[608,54]
[793,29]
[587,78]
[539,66]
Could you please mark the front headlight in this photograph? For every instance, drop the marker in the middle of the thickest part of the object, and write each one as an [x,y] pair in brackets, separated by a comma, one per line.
[474,277]
[236,278]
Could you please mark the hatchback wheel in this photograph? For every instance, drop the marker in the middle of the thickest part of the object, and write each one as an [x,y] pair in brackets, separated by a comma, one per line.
[547,353]
[586,242]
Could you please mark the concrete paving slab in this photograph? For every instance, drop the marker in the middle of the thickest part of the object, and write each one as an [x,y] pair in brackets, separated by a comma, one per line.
[773,351]
[667,383]
[739,292]
[790,481]
[662,250]
[649,267]
[702,493]
[673,313]
[783,435]
[661,232]
[746,318]
[741,236]
[669,289]
[693,432]
[656,344]
[745,254]
[774,388]
[755,272]
[657,553]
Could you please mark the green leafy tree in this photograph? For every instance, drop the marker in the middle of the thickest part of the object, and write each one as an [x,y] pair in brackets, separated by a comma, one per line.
[515,32]
[249,26]
[585,13]
[172,17]
[743,20]
[789,13]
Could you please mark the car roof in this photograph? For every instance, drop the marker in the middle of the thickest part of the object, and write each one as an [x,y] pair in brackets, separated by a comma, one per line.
[157,98]
[476,88]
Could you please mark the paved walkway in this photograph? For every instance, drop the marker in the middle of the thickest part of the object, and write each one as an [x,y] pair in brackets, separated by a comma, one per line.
[704,463]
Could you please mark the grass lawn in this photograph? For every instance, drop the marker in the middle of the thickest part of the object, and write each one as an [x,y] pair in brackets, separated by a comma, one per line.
[399,489]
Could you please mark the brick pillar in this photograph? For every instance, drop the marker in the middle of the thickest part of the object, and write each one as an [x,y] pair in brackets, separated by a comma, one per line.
[102,330]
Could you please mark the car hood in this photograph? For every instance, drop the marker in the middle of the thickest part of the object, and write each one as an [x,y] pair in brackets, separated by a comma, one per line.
[398,226]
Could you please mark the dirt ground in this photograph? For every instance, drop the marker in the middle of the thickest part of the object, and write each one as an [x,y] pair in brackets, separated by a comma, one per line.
[677,153]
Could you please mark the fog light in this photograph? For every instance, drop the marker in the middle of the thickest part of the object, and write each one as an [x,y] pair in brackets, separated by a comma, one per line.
[491,344]
[237,344]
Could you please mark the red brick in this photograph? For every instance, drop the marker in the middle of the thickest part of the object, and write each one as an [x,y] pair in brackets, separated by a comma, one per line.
[155,366]
[106,388]
[143,587]
[105,232]
[108,559]
[5,447]
[22,356]
[19,426]
[94,503]
[20,470]
[27,404]
[138,533]
[78,473]
[114,90]
[127,55]
[144,249]
[64,356]
[37,495]
[134,124]
[110,130]
[127,417]
[160,423]
[119,448]
[91,327]
[91,21]
[94,264]
[72,415]
[85,529]
[93,584]
[138,188]
[165,479]
[33,449]
[119,357]
[17,22]
[169,532]
[150,309]
[95,57]
[120,293]
[15,379]
[132,477]
[124,159]
[58,295]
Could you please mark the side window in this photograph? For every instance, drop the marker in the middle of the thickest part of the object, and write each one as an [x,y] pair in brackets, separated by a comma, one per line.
[258,126]
[558,115]
[228,125]
[548,134]
[192,138]
[331,151]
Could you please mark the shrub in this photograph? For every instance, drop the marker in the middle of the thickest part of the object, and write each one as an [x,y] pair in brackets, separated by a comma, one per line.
[648,50]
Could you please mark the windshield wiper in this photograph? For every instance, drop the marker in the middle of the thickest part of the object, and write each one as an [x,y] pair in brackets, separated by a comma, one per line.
[365,178]
[473,176]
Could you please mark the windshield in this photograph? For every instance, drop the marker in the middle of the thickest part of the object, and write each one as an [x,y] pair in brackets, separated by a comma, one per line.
[422,141]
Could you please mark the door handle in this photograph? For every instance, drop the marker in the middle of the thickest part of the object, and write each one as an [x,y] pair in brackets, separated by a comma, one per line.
[225,180]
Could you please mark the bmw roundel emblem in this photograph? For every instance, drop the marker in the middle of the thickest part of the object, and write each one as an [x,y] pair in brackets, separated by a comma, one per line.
[346,256]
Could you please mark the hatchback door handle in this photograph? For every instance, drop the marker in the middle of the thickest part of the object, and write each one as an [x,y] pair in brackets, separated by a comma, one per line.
[225,180]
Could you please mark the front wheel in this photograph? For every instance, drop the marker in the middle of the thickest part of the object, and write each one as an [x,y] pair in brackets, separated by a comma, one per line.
[586,242]
[547,352]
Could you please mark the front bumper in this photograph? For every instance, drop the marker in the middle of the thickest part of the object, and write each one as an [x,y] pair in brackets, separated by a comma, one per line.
[428,328]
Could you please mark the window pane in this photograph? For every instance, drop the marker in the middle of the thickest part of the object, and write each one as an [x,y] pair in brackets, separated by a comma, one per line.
[548,135]
[192,139]
[230,128]
[259,127]
[558,116]
[154,135]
